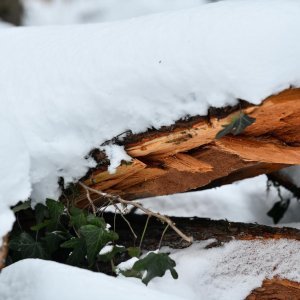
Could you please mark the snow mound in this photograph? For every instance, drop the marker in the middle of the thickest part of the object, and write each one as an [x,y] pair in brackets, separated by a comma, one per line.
[228,272]
[34,279]
[232,271]
[65,90]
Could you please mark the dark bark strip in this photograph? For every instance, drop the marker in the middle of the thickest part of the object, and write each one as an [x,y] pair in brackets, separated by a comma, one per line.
[200,228]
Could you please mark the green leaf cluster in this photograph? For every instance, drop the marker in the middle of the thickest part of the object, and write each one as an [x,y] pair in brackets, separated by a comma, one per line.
[72,236]
[151,266]
[76,237]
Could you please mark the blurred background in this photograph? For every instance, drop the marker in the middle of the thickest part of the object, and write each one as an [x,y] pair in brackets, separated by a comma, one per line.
[58,12]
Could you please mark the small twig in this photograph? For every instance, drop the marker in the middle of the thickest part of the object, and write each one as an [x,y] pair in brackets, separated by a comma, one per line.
[128,223]
[118,199]
[3,252]
[91,201]
[144,231]
[162,236]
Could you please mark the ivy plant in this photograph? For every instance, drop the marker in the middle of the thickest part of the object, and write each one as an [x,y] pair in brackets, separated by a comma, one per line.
[76,237]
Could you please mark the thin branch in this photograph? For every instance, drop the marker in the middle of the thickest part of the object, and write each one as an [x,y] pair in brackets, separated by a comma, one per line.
[144,231]
[118,199]
[91,202]
[162,236]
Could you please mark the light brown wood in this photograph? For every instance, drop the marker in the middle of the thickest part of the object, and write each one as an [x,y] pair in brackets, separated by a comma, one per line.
[276,289]
[187,156]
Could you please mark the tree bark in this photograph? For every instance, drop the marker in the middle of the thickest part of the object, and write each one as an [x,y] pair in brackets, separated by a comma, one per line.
[276,289]
[222,231]
[186,156]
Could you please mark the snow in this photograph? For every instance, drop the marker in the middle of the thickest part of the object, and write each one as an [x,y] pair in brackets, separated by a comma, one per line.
[126,265]
[228,272]
[293,174]
[39,12]
[4,24]
[116,154]
[231,271]
[34,279]
[243,201]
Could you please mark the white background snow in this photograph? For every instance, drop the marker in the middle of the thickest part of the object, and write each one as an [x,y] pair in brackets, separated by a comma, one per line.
[63,88]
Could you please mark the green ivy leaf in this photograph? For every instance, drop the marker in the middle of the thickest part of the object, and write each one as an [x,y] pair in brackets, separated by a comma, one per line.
[278,210]
[40,226]
[97,221]
[23,206]
[155,265]
[134,251]
[95,238]
[237,125]
[28,247]
[78,217]
[77,256]
[56,209]
[110,255]
[41,212]
[53,240]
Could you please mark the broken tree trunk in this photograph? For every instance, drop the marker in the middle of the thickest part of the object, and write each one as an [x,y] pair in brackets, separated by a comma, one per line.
[187,156]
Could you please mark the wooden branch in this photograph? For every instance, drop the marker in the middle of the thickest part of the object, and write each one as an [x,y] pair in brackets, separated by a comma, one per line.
[201,229]
[118,200]
[186,156]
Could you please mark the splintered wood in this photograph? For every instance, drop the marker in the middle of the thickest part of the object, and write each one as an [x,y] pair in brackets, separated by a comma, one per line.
[188,157]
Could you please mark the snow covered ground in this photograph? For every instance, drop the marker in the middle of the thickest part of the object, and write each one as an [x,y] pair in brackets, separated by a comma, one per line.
[228,272]
[243,201]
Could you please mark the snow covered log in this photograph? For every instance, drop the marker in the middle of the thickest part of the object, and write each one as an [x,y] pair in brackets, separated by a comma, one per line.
[187,156]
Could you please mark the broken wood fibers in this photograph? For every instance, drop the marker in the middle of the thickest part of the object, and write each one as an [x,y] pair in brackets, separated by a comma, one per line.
[188,157]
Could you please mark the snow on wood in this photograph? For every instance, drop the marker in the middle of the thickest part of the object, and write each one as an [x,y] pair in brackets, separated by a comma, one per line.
[187,156]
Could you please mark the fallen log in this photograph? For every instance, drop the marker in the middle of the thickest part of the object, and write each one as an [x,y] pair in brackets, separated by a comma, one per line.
[186,156]
[221,231]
